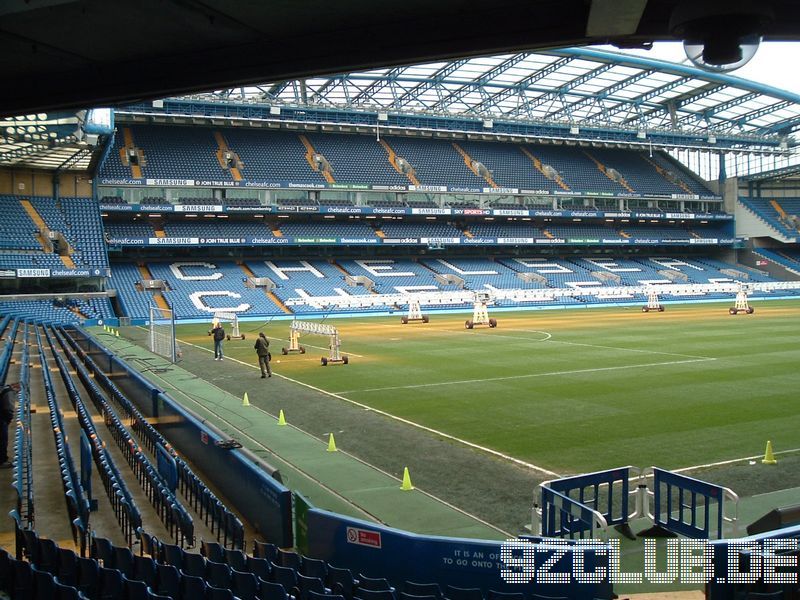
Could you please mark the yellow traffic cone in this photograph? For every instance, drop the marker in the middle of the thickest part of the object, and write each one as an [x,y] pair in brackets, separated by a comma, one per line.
[406,481]
[331,444]
[281,418]
[116,333]
[245,400]
[769,457]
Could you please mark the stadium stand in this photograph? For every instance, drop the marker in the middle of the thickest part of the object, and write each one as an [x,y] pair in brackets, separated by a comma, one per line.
[781,214]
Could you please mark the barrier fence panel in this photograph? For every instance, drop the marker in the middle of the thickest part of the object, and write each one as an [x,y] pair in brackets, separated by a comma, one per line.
[564,517]
[687,506]
[575,506]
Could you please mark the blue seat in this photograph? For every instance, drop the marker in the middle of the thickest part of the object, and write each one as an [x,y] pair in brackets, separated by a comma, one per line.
[148,544]
[260,567]
[313,567]
[218,574]
[287,558]
[244,585]
[144,569]
[22,578]
[212,551]
[67,571]
[422,589]
[110,586]
[269,590]
[317,596]
[285,576]
[169,580]
[134,590]
[48,556]
[309,584]
[374,584]
[366,594]
[265,550]
[102,550]
[43,584]
[235,559]
[63,591]
[6,574]
[88,576]
[123,560]
[407,596]
[192,587]
[215,593]
[193,564]
[172,555]
[341,581]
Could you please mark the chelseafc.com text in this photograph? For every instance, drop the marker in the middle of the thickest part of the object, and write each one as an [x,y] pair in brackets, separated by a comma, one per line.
[680,561]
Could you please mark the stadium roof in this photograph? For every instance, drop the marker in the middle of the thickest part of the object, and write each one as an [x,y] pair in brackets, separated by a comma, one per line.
[45,141]
[77,53]
[583,87]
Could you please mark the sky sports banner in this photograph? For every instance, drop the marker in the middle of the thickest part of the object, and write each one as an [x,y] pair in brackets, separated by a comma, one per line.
[428,189]
[409,211]
[373,241]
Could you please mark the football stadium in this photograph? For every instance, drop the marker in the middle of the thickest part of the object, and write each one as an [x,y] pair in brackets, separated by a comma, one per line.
[295,307]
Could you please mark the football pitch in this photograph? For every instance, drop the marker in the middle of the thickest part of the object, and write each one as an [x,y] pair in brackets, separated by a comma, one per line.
[567,391]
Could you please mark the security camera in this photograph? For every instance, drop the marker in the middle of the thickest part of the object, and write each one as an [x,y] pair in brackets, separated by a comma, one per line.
[720,36]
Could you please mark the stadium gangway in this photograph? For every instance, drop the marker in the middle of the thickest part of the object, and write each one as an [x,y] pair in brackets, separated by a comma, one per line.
[5,357]
[125,509]
[466,297]
[77,503]
[172,513]
[23,467]
[227,526]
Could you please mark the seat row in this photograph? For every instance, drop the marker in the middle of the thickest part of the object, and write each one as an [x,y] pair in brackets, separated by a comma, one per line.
[219,518]
[169,509]
[122,502]
[76,498]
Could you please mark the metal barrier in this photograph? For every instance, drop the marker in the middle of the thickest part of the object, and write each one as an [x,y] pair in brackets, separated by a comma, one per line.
[575,506]
[690,507]
[587,505]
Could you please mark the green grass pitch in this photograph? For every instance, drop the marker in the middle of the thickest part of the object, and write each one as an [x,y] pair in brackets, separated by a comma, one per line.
[570,391]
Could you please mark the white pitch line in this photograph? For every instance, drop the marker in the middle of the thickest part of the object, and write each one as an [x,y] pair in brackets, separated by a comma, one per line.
[529,376]
[401,419]
[449,505]
[729,462]
[315,347]
[631,349]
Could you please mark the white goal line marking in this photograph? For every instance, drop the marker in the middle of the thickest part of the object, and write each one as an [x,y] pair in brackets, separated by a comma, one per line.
[529,376]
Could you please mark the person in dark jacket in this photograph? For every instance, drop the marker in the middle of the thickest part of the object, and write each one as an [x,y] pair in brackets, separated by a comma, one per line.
[8,397]
[219,334]
[262,350]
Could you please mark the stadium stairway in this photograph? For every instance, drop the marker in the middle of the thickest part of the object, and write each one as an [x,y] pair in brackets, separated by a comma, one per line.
[310,153]
[538,164]
[235,171]
[410,175]
[249,273]
[38,221]
[158,297]
[663,172]
[468,160]
[136,170]
[602,168]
